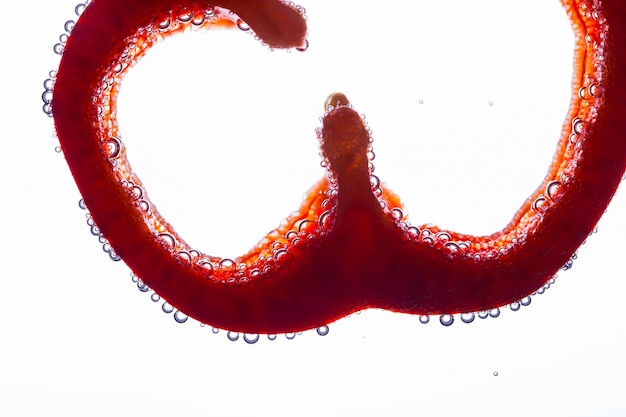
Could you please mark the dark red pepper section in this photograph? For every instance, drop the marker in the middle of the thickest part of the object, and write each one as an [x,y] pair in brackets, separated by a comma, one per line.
[347,249]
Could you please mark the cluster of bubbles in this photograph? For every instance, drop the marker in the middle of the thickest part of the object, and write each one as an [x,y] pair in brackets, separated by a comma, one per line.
[469,317]
[95,230]
[180,317]
[46,96]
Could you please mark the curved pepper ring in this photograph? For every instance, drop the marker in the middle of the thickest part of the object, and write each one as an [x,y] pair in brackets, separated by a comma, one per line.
[349,247]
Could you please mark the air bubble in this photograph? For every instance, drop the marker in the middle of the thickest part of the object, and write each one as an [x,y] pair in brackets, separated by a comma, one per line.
[525,301]
[541,204]
[515,306]
[494,312]
[113,255]
[303,47]
[155,297]
[483,314]
[242,25]
[167,307]
[325,219]
[424,319]
[79,9]
[374,182]
[232,336]
[143,205]
[206,264]
[553,189]
[570,262]
[141,286]
[58,49]
[290,336]
[167,241]
[136,192]
[495,373]
[183,257]
[113,147]
[251,338]
[185,17]
[198,20]
[46,96]
[215,330]
[577,125]
[323,330]
[306,226]
[446,319]
[452,247]
[82,205]
[468,317]
[180,317]
[69,25]
[397,214]
[164,24]
[47,109]
[227,264]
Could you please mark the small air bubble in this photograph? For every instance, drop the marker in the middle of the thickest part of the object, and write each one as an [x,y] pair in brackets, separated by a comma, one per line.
[185,17]
[494,312]
[143,205]
[167,307]
[164,24]
[397,214]
[142,287]
[136,192]
[232,336]
[541,204]
[198,20]
[180,317]
[227,264]
[251,338]
[242,25]
[577,125]
[468,317]
[113,147]
[515,306]
[323,330]
[58,149]
[290,336]
[495,373]
[79,9]
[69,25]
[47,109]
[58,49]
[553,189]
[167,241]
[46,96]
[446,319]
[452,247]
[303,47]
[424,319]
[155,297]
[374,182]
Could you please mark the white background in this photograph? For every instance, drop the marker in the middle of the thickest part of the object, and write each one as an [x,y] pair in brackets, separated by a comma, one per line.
[222,132]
